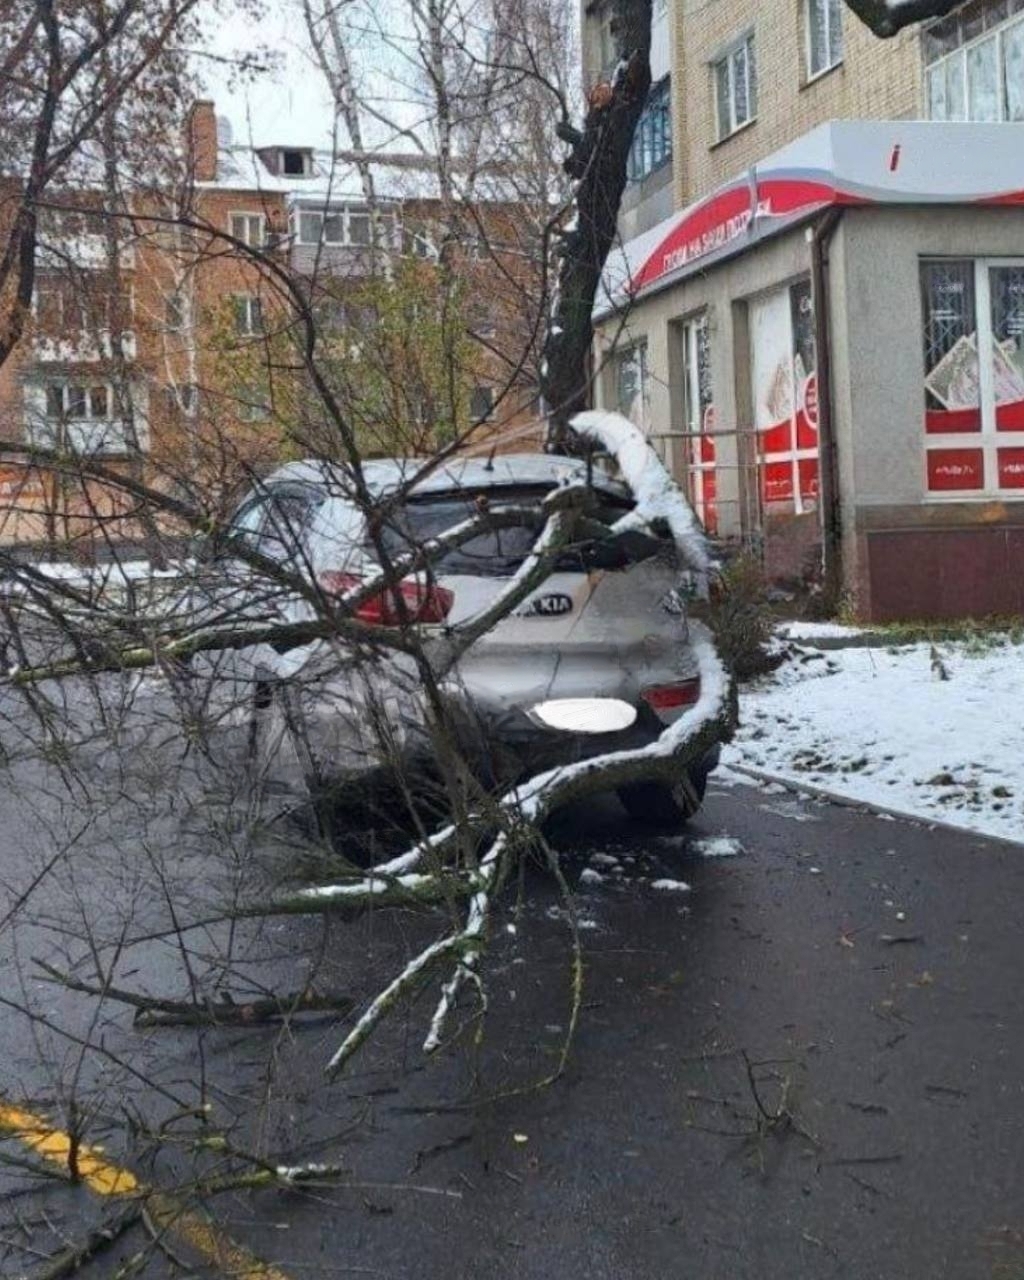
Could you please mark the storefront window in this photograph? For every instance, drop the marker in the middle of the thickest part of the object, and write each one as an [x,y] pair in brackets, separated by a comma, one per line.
[785,388]
[974,375]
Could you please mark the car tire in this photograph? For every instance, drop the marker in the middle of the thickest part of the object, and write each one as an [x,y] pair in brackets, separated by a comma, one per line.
[660,804]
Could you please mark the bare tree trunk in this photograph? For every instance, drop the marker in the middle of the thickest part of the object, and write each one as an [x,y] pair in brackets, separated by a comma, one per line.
[598,159]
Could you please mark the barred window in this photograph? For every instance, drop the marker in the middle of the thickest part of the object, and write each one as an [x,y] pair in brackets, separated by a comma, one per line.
[652,141]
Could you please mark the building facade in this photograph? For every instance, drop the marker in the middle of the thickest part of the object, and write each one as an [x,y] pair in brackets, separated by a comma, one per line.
[822,338]
[162,339]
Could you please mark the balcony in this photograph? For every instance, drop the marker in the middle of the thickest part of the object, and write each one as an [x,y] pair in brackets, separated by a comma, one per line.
[82,347]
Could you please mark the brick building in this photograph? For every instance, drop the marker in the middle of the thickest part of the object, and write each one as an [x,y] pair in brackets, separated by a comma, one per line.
[818,306]
[160,345]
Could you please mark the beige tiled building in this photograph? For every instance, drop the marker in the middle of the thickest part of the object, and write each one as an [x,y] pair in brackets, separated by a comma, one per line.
[817,309]
[861,77]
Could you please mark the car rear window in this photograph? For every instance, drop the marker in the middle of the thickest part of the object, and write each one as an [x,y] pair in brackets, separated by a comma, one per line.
[495,553]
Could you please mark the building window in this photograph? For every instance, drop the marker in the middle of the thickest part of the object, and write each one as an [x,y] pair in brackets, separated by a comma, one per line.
[699,421]
[824,36]
[736,87]
[70,401]
[632,389]
[481,404]
[80,302]
[607,45]
[973,314]
[250,228]
[177,311]
[81,416]
[349,227]
[974,63]
[252,403]
[296,164]
[652,141]
[248,314]
[359,228]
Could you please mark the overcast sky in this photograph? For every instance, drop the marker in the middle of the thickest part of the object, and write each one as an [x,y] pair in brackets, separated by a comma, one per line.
[289,101]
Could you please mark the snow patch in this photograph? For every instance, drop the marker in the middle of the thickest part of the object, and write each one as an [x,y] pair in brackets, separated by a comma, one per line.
[881,730]
[670,886]
[717,847]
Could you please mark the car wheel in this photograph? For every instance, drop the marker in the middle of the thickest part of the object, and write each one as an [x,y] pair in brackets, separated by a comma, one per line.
[662,804]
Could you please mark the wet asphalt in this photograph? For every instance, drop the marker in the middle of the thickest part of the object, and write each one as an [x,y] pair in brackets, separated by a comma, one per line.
[810,1064]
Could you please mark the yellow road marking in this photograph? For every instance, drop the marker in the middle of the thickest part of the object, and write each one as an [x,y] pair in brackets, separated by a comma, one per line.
[107,1179]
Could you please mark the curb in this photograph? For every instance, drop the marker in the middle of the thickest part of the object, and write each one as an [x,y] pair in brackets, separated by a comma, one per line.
[865,806]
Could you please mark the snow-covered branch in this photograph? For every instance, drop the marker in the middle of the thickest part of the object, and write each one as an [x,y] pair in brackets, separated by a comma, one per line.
[886,18]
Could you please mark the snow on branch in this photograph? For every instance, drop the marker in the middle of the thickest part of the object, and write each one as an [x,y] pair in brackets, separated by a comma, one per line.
[886,18]
[657,495]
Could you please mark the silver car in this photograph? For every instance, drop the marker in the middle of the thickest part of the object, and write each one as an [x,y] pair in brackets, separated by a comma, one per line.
[597,659]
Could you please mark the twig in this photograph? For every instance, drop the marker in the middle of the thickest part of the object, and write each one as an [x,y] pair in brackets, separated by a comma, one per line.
[151,1011]
[70,1260]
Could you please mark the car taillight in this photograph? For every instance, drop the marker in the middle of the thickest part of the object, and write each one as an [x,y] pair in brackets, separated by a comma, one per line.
[423,602]
[670,697]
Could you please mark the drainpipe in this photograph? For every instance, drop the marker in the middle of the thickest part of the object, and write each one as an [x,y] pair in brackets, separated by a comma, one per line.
[828,470]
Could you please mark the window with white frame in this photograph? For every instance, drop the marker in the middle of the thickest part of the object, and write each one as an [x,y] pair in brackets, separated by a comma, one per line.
[631,385]
[974,63]
[250,228]
[652,141]
[973,317]
[481,403]
[80,301]
[248,314]
[252,402]
[699,420]
[824,36]
[75,401]
[81,415]
[342,226]
[735,74]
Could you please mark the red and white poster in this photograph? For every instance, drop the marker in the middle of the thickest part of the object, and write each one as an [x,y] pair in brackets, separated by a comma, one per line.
[784,385]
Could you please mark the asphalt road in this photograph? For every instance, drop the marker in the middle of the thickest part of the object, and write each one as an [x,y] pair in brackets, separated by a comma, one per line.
[774,1075]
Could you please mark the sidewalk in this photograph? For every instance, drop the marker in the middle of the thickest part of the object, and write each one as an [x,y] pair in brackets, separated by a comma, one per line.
[934,732]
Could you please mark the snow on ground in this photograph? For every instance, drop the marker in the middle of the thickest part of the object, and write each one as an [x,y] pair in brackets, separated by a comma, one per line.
[811,630]
[880,726]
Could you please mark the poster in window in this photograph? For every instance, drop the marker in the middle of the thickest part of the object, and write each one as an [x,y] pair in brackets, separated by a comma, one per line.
[785,394]
[1006,286]
[1011,468]
[950,470]
[952,399]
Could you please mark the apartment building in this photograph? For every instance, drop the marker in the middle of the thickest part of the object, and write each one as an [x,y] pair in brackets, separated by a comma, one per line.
[824,335]
[159,343]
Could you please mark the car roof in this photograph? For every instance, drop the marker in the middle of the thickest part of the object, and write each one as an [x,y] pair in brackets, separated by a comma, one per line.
[504,470]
